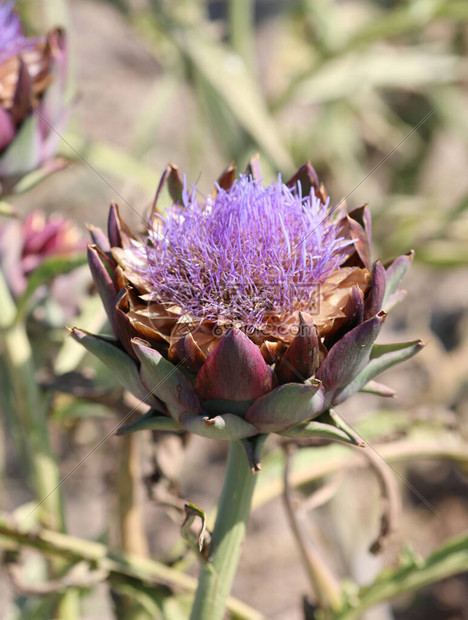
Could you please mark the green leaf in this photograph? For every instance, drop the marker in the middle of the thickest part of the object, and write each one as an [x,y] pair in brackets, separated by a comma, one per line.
[166,381]
[229,77]
[382,357]
[108,158]
[320,430]
[444,253]
[152,115]
[33,178]
[23,154]
[7,210]
[373,387]
[150,421]
[398,350]
[196,541]
[394,273]
[450,559]
[120,363]
[80,409]
[49,269]
[395,67]
[92,319]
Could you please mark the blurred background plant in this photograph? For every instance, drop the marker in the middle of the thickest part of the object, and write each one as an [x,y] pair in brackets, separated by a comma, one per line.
[374,94]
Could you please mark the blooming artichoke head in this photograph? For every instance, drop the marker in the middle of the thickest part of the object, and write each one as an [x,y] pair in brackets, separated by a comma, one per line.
[32,111]
[252,310]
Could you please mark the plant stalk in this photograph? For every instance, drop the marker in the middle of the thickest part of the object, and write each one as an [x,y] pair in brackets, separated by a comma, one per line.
[217,574]
[323,582]
[132,533]
[30,413]
[29,406]
[117,568]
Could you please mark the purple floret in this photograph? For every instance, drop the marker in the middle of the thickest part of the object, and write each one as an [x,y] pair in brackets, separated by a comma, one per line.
[250,253]
[12,39]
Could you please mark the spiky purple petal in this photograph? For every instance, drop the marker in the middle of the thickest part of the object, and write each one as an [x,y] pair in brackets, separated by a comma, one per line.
[251,252]
[12,39]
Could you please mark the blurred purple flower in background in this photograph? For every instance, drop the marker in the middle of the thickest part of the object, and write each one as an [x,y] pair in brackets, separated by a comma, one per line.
[33,74]
[26,245]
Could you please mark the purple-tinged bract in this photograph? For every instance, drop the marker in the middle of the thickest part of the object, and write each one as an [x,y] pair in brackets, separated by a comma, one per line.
[252,310]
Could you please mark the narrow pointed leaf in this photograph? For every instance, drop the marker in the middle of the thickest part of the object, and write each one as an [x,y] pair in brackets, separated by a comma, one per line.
[119,233]
[401,350]
[373,387]
[332,417]
[308,180]
[49,269]
[149,421]
[166,381]
[196,541]
[227,177]
[253,168]
[253,448]
[382,357]
[347,357]
[24,152]
[358,225]
[374,299]
[103,282]
[319,430]
[175,185]
[119,363]
[395,272]
[99,239]
[229,77]
[394,300]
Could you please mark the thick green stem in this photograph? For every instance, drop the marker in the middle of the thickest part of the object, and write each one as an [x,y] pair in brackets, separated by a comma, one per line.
[218,573]
[132,531]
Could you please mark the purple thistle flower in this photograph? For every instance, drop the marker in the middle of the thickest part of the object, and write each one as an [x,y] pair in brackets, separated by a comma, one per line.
[249,253]
[12,38]
[269,260]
